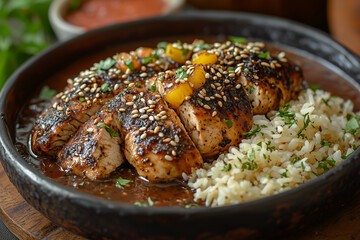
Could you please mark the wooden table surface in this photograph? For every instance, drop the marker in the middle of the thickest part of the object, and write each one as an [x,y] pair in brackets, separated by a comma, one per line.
[27,223]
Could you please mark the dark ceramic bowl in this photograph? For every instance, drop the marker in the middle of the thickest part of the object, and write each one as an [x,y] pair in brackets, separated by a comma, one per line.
[93,217]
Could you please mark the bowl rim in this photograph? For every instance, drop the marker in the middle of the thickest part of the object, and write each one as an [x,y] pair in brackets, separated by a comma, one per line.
[21,165]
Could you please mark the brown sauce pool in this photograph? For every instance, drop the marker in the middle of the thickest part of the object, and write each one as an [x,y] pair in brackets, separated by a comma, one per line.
[175,194]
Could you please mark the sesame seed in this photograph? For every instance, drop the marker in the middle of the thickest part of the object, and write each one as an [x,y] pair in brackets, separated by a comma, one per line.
[166,140]
[143,136]
[232,75]
[212,86]
[151,118]
[177,139]
[135,116]
[219,75]
[214,113]
[131,85]
[173,143]
[238,86]
[161,134]
[163,117]
[162,112]
[129,103]
[265,64]
[207,98]
[207,75]
[60,108]
[81,94]
[157,129]
[142,129]
[142,110]
[152,106]
[134,111]
[206,106]
[122,109]
[145,116]
[168,157]
[224,97]
[173,152]
[150,110]
[94,100]
[144,74]
[220,103]
[116,87]
[187,98]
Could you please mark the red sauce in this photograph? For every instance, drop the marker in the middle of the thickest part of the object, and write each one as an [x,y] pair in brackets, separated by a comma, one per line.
[96,13]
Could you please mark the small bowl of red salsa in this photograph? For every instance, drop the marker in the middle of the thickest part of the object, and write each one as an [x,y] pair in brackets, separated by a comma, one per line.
[73,17]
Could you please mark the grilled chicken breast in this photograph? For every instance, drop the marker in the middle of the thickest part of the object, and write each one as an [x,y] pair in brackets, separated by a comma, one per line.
[155,142]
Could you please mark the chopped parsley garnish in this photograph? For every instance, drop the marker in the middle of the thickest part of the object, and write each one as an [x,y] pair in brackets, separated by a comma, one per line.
[104,65]
[185,51]
[228,122]
[315,173]
[179,43]
[268,146]
[162,45]
[323,166]
[155,55]
[121,182]
[251,90]
[47,93]
[324,143]
[227,168]
[160,78]
[314,87]
[153,88]
[250,133]
[246,70]
[264,55]
[108,129]
[250,164]
[138,84]
[202,46]
[259,144]
[346,156]
[352,126]
[105,87]
[81,99]
[181,73]
[240,40]
[121,119]
[130,64]
[231,69]
[326,102]
[267,176]
[200,102]
[306,124]
[331,162]
[191,205]
[295,159]
[81,184]
[147,60]
[288,116]
[302,166]
[251,155]
[284,174]
[149,204]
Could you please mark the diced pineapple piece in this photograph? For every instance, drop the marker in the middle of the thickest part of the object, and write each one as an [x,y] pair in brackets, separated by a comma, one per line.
[177,54]
[176,96]
[197,77]
[126,61]
[204,58]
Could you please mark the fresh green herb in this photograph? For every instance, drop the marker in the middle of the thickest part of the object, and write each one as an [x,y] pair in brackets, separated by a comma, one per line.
[105,87]
[121,182]
[324,143]
[331,162]
[264,155]
[191,205]
[200,102]
[283,186]
[251,155]
[228,122]
[268,146]
[302,166]
[47,93]
[284,174]
[314,87]
[74,4]
[288,116]
[130,64]
[230,69]
[181,73]
[354,147]
[179,43]
[259,144]
[267,176]
[138,84]
[81,99]
[108,129]
[251,90]
[128,88]
[81,184]
[352,126]
[240,40]
[147,60]
[324,166]
[121,119]
[185,51]
[149,204]
[295,159]
[250,165]
[104,65]
[315,173]
[227,168]
[264,55]
[202,46]
[153,88]
[250,133]
[162,45]
[346,156]
[155,55]
[245,70]
[306,124]
[326,102]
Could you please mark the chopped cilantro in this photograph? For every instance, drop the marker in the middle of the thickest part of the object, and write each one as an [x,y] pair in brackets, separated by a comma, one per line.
[315,173]
[288,116]
[324,143]
[121,182]
[191,205]
[331,162]
[153,88]
[251,90]
[267,176]
[104,65]
[231,69]
[162,45]
[264,55]
[228,122]
[306,124]
[105,87]
[160,78]
[284,174]
[268,146]
[147,60]
[149,204]
[202,46]
[259,144]
[81,99]
[121,119]
[326,102]
[251,155]
[302,166]
[295,159]
[323,166]
[314,87]
[185,51]
[47,93]
[240,40]
[108,129]
[346,156]
[138,84]
[181,73]
[200,102]
[81,184]
[227,168]
[246,70]
[130,64]
[250,133]
[352,126]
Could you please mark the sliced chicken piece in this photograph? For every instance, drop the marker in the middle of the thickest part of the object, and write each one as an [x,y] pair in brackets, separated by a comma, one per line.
[215,115]
[155,141]
[94,151]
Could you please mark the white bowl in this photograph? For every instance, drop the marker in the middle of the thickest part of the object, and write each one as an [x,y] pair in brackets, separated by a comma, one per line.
[65,30]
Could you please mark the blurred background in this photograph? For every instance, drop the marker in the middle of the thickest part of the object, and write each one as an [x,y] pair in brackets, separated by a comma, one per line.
[25,29]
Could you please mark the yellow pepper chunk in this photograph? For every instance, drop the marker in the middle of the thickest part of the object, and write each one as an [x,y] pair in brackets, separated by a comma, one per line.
[176,96]
[197,77]
[177,54]
[204,58]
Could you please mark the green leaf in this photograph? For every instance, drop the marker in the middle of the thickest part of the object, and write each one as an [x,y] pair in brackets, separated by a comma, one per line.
[147,60]
[314,87]
[200,102]
[108,129]
[228,122]
[352,126]
[181,73]
[251,90]
[81,99]
[202,46]
[47,93]
[153,88]
[191,205]
[162,45]
[240,40]
[324,143]
[130,64]
[306,124]
[105,87]
[295,159]
[251,155]
[227,168]
[250,133]
[264,55]
[106,64]
[121,182]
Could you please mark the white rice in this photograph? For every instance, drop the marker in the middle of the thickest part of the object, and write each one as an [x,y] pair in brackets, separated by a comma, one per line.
[277,158]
